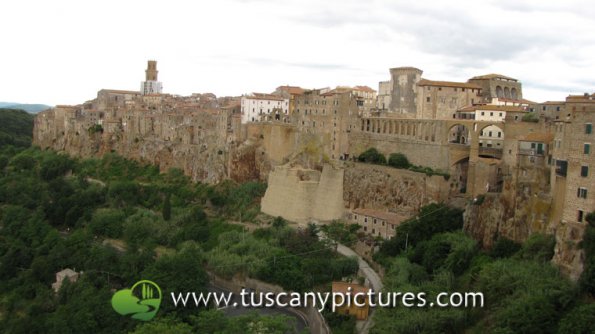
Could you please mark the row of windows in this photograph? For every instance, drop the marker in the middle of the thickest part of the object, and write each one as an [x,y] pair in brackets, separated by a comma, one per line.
[454,88]
[335,102]
[491,113]
[489,133]
[306,112]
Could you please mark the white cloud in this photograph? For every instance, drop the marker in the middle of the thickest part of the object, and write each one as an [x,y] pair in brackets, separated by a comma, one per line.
[64,51]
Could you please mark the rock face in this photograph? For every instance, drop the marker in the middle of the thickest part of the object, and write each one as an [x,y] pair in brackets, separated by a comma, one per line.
[381,187]
[199,146]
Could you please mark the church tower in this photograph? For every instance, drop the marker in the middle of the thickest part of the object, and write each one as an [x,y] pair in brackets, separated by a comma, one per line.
[151,85]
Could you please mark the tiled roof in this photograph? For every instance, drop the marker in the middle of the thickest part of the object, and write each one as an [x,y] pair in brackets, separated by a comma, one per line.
[263,96]
[492,76]
[538,137]
[491,107]
[425,82]
[294,90]
[364,89]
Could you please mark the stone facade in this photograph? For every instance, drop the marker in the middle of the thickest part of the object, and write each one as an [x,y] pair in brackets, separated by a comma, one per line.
[539,179]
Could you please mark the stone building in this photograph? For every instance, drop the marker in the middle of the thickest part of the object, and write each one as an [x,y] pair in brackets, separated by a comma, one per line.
[442,99]
[384,96]
[257,107]
[403,88]
[329,114]
[572,181]
[497,86]
[377,223]
[289,92]
[367,97]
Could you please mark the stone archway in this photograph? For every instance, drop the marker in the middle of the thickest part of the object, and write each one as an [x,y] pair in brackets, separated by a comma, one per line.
[459,134]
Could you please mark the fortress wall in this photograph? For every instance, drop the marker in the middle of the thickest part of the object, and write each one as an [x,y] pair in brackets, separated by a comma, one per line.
[297,195]
[419,152]
[328,200]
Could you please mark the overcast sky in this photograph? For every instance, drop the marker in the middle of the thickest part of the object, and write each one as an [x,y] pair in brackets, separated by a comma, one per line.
[63,52]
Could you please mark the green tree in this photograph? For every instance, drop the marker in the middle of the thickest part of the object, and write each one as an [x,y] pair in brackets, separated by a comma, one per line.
[578,320]
[167,208]
[398,160]
[372,156]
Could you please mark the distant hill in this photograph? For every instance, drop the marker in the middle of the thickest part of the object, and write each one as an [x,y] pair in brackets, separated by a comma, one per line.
[16,127]
[32,108]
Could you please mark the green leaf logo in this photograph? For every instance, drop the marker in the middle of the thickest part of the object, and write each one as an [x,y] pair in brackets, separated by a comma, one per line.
[141,302]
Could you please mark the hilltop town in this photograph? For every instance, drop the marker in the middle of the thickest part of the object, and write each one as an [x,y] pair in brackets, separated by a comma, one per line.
[516,166]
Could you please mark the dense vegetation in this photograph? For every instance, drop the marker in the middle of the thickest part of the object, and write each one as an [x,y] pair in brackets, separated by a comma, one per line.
[295,259]
[118,221]
[523,292]
[16,127]
[396,160]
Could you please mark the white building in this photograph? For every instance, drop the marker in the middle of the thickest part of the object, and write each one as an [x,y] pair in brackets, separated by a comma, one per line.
[151,87]
[258,107]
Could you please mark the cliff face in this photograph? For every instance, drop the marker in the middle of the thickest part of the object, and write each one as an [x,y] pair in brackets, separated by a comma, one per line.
[204,154]
[380,187]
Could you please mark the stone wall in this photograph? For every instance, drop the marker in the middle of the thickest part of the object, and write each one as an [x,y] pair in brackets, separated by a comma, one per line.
[299,194]
[380,187]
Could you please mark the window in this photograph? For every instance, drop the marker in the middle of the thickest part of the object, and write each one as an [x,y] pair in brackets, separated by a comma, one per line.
[491,113]
[365,228]
[374,221]
[366,220]
[483,113]
[584,171]
[580,216]
[587,148]
[428,99]
[383,223]
[499,134]
[581,192]
[355,217]
[588,128]
[500,114]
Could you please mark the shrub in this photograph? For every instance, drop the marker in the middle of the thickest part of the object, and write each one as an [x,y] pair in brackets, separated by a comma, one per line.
[504,247]
[372,156]
[398,160]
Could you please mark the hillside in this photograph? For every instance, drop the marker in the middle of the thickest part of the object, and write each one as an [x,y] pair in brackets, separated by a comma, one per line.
[32,108]
[16,127]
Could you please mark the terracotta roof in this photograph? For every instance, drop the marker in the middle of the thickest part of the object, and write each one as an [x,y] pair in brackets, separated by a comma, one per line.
[120,91]
[538,137]
[425,82]
[492,76]
[516,100]
[582,98]
[364,89]
[491,107]
[294,90]
[553,102]
[390,217]
[263,96]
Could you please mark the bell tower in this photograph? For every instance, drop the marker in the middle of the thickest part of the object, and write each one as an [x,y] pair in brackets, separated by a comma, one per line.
[151,85]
